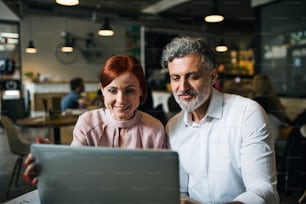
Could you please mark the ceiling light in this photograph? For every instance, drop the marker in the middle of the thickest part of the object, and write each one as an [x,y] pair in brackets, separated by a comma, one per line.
[68,2]
[221,47]
[31,48]
[106,30]
[214,16]
[67,48]
[69,40]
[67,45]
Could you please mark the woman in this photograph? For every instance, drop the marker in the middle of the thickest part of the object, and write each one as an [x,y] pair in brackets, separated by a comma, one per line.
[265,95]
[119,124]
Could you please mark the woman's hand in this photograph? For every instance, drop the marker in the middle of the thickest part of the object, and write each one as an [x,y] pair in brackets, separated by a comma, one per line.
[31,169]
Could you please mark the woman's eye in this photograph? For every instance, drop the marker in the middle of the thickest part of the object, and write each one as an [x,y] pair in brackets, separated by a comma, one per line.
[112,91]
[128,91]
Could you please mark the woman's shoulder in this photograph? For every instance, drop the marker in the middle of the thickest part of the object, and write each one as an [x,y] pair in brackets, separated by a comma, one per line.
[94,116]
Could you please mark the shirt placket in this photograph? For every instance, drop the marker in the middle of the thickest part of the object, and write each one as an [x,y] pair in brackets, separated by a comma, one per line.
[205,143]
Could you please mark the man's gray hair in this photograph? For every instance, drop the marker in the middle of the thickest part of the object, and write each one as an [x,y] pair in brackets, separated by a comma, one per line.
[182,46]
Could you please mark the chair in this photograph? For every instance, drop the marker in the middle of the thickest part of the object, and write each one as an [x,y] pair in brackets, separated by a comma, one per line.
[16,146]
[14,109]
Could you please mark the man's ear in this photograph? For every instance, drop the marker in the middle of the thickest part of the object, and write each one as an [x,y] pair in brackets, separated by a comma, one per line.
[213,76]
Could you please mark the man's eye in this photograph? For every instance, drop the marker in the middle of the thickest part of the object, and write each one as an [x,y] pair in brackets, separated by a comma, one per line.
[174,78]
[193,77]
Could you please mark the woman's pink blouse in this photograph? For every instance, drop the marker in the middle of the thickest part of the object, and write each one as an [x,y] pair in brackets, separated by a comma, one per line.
[98,128]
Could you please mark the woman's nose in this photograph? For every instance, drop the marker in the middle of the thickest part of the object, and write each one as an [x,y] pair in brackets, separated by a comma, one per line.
[120,96]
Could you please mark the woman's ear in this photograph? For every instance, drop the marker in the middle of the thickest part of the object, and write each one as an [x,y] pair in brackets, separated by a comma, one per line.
[101,88]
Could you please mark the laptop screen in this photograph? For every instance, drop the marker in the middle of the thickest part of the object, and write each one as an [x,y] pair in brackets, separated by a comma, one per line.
[106,175]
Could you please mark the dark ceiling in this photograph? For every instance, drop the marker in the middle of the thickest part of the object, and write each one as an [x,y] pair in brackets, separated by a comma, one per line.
[186,14]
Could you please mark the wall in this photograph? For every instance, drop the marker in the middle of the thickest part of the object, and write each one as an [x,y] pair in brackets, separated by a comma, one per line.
[47,34]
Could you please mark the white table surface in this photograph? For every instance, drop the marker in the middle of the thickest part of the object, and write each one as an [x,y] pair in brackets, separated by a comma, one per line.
[31,197]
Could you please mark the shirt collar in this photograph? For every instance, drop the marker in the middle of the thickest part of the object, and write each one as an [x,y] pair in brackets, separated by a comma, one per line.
[215,108]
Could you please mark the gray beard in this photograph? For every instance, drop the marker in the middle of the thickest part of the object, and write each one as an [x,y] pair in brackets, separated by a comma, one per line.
[191,106]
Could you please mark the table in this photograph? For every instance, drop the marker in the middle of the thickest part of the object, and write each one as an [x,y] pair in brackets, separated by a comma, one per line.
[56,123]
[33,198]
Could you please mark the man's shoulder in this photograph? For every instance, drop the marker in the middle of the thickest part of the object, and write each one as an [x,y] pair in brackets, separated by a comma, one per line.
[238,99]
[176,119]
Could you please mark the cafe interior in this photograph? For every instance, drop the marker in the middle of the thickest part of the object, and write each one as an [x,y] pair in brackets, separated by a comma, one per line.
[44,44]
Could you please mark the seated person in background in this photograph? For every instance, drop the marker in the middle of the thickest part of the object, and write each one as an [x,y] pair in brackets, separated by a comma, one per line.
[225,149]
[74,99]
[120,124]
[264,94]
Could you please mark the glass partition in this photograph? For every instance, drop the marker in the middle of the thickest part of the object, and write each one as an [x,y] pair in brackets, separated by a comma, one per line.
[10,69]
[282,51]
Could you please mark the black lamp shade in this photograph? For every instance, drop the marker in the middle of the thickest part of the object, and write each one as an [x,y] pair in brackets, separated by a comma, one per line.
[214,16]
[31,48]
[106,29]
[221,46]
[68,45]
[31,44]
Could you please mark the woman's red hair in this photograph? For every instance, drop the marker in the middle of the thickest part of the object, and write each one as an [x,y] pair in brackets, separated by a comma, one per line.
[119,64]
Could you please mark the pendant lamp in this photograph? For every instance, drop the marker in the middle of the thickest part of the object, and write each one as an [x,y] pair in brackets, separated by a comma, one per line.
[68,2]
[31,48]
[214,16]
[221,47]
[68,44]
[106,29]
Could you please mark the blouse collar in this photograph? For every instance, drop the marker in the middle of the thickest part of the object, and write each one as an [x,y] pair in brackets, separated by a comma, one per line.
[120,123]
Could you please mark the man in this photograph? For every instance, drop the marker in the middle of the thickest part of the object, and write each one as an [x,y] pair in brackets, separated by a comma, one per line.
[223,140]
[74,100]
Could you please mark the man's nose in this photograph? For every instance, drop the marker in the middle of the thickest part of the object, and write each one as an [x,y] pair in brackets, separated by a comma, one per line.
[184,84]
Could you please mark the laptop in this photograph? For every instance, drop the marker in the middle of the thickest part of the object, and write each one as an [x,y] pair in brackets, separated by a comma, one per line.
[107,175]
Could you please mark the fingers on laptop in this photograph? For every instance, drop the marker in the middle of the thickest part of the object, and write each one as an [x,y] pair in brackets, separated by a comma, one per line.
[41,140]
[30,173]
